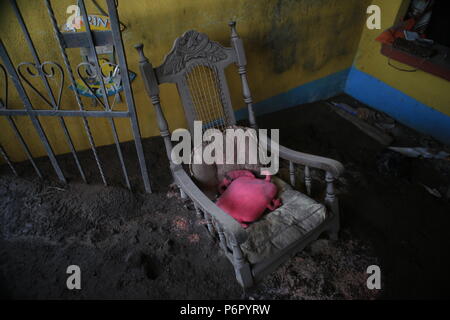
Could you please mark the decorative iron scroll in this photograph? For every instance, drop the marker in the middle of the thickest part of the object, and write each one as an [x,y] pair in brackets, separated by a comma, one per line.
[88,84]
[47,69]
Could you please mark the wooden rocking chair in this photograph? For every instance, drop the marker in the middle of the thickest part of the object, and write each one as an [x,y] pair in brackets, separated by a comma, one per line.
[260,249]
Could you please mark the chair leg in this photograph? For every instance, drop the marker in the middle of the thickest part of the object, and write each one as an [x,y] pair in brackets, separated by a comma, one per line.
[244,276]
[183,194]
[333,234]
[248,293]
[242,268]
[333,231]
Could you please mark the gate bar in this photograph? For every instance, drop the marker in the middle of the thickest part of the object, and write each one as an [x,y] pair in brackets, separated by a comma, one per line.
[65,113]
[77,96]
[5,156]
[54,105]
[24,145]
[118,44]
[3,105]
[26,101]
[102,83]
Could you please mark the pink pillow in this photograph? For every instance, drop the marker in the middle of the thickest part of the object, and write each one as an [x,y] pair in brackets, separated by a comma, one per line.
[245,198]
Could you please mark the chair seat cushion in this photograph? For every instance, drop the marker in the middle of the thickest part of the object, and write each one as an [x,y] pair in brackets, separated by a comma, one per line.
[274,232]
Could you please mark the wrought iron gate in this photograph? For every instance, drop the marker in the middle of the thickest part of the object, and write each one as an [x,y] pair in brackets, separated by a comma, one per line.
[87,71]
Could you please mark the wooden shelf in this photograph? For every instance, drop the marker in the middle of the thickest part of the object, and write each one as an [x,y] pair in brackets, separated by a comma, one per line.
[438,65]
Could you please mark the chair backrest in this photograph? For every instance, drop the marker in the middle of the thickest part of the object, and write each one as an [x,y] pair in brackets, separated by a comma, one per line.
[197,66]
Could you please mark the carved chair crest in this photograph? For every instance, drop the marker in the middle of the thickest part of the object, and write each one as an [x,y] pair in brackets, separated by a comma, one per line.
[192,45]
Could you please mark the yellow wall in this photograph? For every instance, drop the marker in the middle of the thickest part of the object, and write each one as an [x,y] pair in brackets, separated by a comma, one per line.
[288,43]
[424,87]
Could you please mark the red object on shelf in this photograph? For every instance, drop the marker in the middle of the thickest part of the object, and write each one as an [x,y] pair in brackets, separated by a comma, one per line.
[388,36]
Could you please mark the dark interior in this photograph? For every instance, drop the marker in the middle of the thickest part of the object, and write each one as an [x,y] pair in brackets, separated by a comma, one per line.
[439,27]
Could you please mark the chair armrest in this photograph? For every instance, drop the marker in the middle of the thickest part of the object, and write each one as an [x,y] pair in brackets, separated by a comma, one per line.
[329,165]
[326,164]
[334,167]
[228,223]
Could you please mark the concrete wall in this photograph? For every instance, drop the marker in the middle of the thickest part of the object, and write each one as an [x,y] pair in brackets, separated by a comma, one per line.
[289,43]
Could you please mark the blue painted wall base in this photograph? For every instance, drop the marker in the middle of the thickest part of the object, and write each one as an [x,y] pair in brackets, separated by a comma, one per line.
[321,89]
[398,105]
[368,90]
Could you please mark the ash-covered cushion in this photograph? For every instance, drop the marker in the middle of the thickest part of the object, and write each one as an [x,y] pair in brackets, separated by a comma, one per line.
[282,186]
[298,215]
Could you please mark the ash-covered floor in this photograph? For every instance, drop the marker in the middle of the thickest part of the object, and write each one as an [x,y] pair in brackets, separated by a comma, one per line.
[135,245]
